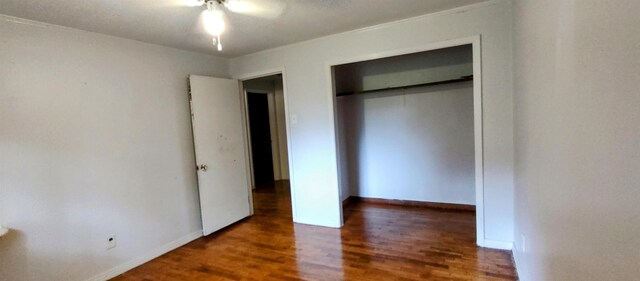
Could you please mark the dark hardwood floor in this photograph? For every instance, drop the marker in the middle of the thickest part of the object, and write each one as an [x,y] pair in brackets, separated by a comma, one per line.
[377,242]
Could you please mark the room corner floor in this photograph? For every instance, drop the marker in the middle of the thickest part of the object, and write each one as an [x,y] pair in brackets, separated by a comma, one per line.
[377,242]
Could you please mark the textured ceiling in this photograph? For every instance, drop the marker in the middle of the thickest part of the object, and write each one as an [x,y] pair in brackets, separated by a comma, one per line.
[167,22]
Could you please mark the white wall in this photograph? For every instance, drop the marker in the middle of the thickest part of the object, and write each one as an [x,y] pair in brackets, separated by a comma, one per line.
[414,144]
[259,85]
[95,139]
[309,97]
[577,77]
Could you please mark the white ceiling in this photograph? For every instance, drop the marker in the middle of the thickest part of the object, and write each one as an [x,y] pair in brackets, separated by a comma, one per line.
[167,22]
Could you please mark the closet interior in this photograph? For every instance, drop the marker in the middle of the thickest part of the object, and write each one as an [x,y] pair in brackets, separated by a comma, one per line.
[405,127]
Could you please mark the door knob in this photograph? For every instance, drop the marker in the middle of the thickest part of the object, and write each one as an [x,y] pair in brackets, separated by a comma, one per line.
[203,167]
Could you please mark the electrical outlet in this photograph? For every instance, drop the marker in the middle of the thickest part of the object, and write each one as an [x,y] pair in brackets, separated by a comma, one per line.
[523,242]
[111,242]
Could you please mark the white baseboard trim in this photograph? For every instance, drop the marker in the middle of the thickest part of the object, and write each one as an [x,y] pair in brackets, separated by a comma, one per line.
[501,245]
[122,268]
[517,263]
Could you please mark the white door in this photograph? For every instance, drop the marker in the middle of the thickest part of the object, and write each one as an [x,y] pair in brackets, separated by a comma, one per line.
[219,140]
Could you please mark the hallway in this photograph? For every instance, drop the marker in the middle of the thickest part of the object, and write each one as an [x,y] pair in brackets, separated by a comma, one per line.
[377,242]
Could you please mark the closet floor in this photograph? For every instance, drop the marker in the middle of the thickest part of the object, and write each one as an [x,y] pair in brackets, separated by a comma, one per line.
[377,242]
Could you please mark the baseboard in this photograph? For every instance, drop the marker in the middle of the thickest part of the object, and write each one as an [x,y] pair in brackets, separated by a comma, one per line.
[347,201]
[422,204]
[122,268]
[517,263]
[500,245]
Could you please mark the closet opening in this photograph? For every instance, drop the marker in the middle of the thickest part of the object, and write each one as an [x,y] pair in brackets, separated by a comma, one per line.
[409,133]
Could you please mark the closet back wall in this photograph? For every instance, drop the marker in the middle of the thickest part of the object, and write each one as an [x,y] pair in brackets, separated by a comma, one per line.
[414,144]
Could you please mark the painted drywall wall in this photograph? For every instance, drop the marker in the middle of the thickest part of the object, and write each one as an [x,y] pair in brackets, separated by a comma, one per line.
[398,71]
[259,85]
[577,77]
[95,139]
[313,158]
[414,144]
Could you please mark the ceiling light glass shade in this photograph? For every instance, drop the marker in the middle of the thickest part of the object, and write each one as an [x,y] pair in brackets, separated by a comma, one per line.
[213,22]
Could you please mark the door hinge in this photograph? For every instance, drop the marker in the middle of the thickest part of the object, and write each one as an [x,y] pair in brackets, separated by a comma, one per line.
[189,88]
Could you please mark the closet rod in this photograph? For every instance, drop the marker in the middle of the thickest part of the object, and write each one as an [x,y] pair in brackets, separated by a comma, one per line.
[461,79]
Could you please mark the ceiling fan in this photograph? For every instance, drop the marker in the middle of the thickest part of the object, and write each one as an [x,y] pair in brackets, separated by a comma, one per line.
[213,16]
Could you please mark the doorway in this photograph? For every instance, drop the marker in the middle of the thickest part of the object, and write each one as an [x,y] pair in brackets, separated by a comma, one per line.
[268,145]
[261,139]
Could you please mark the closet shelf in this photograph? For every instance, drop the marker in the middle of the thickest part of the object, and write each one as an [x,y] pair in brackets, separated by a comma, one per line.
[461,79]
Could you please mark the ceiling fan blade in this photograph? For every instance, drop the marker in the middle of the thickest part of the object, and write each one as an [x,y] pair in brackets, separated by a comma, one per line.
[256,8]
[192,3]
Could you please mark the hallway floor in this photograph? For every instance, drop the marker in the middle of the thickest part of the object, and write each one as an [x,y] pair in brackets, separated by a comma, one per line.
[377,242]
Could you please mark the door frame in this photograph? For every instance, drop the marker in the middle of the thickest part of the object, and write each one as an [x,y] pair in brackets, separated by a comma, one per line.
[287,127]
[475,42]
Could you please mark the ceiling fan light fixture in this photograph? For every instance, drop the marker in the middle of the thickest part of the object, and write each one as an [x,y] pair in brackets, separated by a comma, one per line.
[213,21]
[217,43]
[213,17]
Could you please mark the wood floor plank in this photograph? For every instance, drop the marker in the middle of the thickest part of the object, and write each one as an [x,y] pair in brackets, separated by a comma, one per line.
[377,242]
